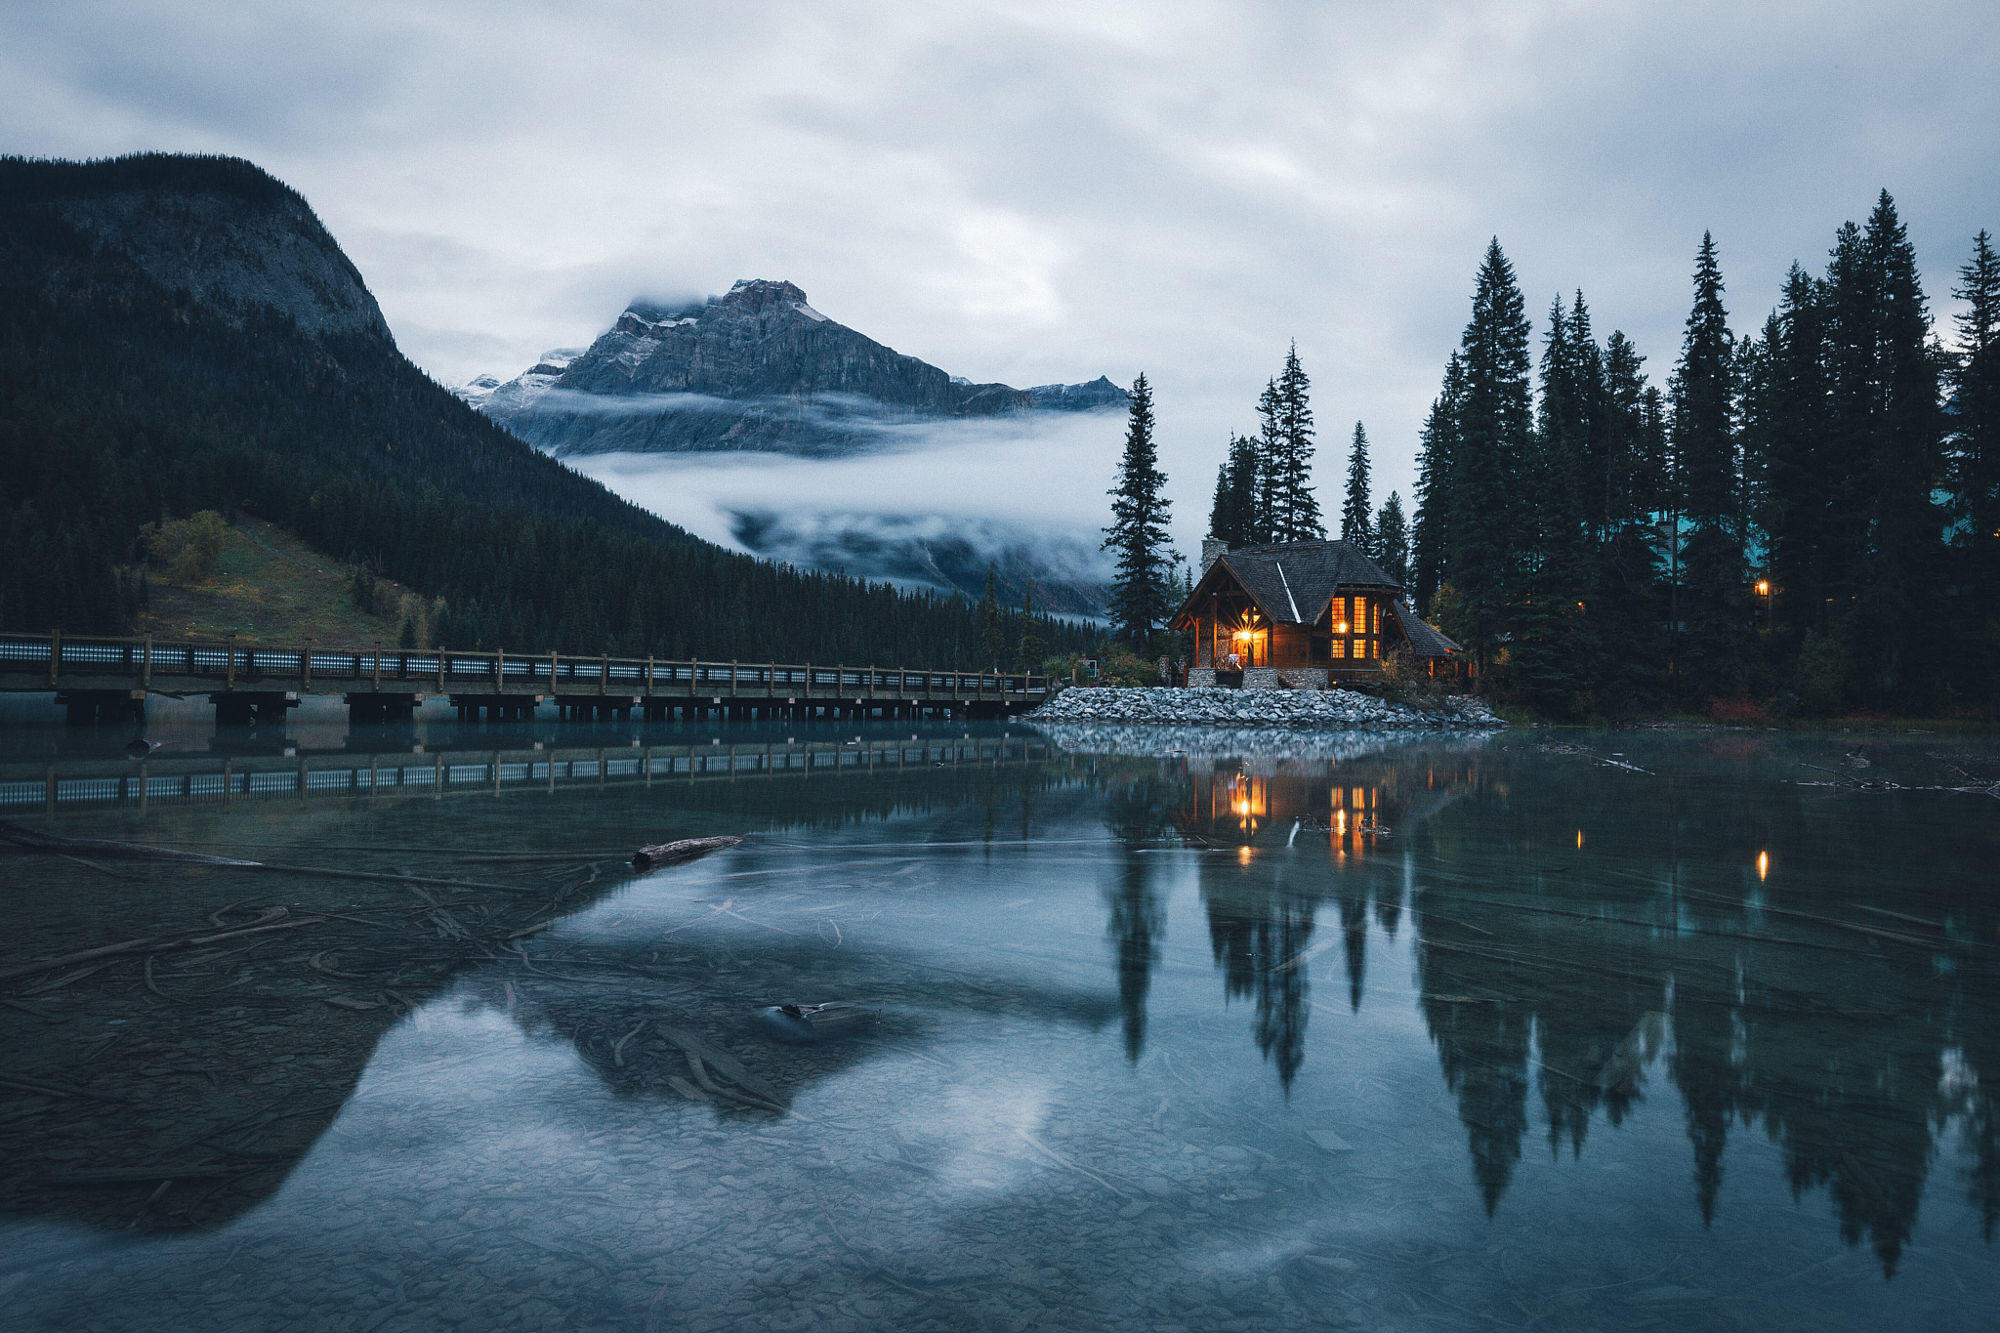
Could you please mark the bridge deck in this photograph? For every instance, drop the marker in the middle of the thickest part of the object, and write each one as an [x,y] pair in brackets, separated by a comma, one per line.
[80,665]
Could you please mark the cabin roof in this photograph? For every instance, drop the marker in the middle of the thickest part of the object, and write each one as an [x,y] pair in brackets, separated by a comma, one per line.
[1426,639]
[1292,583]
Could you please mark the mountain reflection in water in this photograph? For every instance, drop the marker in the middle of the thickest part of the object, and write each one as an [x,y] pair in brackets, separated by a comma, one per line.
[1539,980]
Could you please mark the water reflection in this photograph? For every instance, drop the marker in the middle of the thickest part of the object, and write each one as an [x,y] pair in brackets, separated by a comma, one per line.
[1566,976]
[1232,1009]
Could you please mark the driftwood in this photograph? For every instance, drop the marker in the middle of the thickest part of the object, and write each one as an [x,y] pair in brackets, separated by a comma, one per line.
[802,1024]
[34,840]
[674,853]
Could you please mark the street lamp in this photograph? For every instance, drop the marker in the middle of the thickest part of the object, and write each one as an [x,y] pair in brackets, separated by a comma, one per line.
[1764,591]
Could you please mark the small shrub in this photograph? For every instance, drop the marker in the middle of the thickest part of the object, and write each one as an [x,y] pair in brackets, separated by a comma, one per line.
[189,549]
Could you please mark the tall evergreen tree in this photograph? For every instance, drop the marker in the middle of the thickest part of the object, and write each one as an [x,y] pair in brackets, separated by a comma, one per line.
[1437,445]
[1295,510]
[1232,516]
[1355,512]
[1486,515]
[992,624]
[1906,464]
[1269,488]
[1140,589]
[1712,612]
[1975,441]
[1552,664]
[1625,607]
[1392,540]
[1031,645]
[1785,430]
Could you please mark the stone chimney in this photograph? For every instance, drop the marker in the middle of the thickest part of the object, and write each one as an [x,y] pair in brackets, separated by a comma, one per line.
[1212,549]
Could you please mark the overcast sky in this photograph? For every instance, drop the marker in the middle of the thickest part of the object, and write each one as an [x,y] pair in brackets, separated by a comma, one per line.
[1046,192]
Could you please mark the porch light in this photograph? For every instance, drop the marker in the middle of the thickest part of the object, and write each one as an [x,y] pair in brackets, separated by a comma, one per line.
[1763,866]
[1242,634]
[1763,587]
[1341,628]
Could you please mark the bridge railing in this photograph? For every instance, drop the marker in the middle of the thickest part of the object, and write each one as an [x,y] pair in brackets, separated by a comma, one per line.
[48,659]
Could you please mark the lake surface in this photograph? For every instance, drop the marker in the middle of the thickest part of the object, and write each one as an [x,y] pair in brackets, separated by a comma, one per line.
[1177,1029]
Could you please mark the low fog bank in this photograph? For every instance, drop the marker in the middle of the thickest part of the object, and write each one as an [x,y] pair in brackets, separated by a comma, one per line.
[930,504]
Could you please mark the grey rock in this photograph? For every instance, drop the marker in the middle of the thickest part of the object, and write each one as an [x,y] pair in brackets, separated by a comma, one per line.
[755,368]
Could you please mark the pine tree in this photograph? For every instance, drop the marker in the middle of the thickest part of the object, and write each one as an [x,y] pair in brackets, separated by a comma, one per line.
[1295,513]
[1552,663]
[1898,593]
[1487,517]
[1392,540]
[1355,513]
[1626,610]
[1231,517]
[1028,652]
[1140,591]
[992,624]
[1269,487]
[1975,416]
[1437,445]
[1785,430]
[1712,611]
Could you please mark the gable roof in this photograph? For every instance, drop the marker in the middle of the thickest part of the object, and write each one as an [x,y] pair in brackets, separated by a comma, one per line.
[1426,639]
[1292,582]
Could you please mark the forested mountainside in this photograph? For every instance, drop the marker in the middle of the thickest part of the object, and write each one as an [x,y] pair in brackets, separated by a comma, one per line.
[180,333]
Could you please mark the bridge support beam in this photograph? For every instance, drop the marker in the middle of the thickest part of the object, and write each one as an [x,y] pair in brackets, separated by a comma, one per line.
[598,707]
[371,707]
[85,708]
[240,708]
[495,707]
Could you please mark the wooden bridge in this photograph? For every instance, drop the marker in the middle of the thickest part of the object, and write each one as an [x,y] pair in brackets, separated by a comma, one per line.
[110,679]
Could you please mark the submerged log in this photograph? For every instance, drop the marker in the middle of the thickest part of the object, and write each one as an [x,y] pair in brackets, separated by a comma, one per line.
[35,840]
[803,1024]
[674,853]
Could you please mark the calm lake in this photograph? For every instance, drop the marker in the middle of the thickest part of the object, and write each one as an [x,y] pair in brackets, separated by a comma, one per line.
[1176,1029]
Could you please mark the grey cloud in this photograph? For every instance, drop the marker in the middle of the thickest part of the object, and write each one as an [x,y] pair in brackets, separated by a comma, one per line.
[1031,193]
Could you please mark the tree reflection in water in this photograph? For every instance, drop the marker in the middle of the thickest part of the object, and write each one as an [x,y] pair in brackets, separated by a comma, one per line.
[1853,1026]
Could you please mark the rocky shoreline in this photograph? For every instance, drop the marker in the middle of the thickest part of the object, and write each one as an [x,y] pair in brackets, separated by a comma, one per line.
[1341,709]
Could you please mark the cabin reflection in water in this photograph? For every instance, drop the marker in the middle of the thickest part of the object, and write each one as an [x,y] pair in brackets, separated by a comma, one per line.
[1351,809]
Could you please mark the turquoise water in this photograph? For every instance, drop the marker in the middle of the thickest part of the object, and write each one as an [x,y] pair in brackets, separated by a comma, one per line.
[1176,1029]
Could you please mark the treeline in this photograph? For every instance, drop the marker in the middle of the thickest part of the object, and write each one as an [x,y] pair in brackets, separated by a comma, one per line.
[122,404]
[1808,516]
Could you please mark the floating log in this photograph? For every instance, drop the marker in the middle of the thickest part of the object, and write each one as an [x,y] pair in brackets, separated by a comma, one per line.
[674,853]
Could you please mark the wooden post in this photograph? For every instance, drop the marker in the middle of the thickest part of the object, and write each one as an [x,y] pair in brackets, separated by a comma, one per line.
[55,655]
[604,673]
[378,668]
[499,670]
[229,668]
[146,669]
[732,680]
[440,653]
[649,675]
[552,673]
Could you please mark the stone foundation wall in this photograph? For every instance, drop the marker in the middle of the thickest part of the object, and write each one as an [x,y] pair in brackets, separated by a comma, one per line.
[1201,678]
[1262,678]
[1303,678]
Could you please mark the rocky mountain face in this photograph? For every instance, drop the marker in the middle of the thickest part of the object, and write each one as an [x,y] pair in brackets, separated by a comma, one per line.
[238,242]
[754,369]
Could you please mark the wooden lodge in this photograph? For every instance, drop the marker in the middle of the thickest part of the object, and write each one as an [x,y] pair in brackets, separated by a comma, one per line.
[1301,615]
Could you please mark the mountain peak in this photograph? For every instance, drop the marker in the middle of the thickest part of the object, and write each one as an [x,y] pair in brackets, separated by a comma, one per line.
[758,293]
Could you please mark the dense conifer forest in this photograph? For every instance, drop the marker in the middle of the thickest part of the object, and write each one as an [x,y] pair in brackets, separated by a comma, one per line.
[124,404]
[1804,520]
